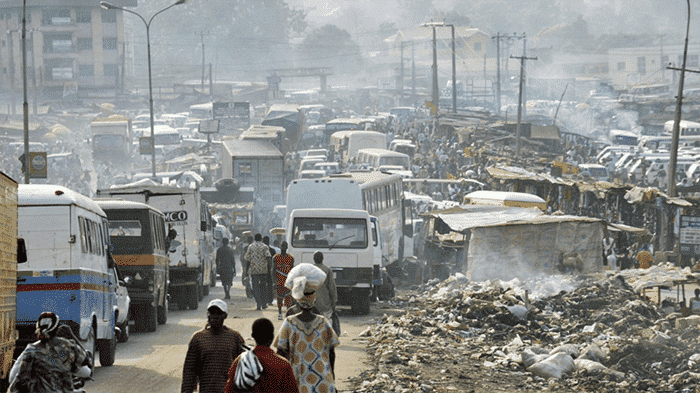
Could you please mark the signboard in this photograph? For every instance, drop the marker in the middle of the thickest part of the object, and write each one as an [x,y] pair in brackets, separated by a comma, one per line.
[690,230]
[37,164]
[232,116]
[209,126]
[145,146]
[178,217]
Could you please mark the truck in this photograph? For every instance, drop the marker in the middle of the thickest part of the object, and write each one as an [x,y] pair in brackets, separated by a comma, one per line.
[12,252]
[111,138]
[191,245]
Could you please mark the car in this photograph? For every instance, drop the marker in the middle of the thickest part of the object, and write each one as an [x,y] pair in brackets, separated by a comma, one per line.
[312,174]
[123,308]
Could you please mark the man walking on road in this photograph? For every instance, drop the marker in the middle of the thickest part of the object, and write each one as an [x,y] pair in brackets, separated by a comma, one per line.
[211,352]
[278,376]
[326,294]
[226,266]
[259,269]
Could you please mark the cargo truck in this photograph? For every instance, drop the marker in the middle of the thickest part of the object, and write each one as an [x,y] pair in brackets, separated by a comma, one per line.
[12,251]
[111,138]
[191,250]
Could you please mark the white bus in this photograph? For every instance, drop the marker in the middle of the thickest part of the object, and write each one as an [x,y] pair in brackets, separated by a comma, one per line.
[347,124]
[202,111]
[375,158]
[687,128]
[347,144]
[68,269]
[349,241]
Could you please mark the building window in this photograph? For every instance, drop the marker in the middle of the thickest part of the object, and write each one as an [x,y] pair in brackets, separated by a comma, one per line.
[109,16]
[620,65]
[84,43]
[245,168]
[86,70]
[58,43]
[692,61]
[642,65]
[111,70]
[109,43]
[477,47]
[83,16]
[55,17]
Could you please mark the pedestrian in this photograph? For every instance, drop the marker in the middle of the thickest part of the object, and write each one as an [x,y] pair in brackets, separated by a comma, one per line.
[211,352]
[644,258]
[226,266]
[277,375]
[245,277]
[306,339]
[326,294]
[48,364]
[260,262]
[283,264]
[271,277]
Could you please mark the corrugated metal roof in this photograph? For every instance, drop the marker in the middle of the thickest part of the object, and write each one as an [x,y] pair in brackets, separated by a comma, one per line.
[251,148]
[461,219]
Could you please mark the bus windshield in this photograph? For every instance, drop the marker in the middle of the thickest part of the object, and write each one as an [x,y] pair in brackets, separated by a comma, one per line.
[329,232]
[124,228]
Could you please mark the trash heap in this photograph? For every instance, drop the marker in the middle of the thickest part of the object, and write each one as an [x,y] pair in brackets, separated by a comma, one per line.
[595,335]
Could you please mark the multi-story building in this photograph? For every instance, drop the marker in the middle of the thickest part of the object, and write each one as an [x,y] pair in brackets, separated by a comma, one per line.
[630,67]
[73,47]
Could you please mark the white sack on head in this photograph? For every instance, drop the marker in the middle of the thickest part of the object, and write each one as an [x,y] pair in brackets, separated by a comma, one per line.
[304,275]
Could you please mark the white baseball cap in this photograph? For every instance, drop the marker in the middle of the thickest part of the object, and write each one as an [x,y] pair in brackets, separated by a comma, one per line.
[218,303]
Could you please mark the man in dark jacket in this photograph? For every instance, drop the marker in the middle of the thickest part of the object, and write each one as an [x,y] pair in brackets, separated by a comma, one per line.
[226,266]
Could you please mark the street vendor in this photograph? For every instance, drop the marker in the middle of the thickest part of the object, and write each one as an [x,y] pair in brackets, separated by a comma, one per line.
[645,259]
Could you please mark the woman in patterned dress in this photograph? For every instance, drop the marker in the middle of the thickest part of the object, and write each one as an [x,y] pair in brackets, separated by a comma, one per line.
[308,341]
[283,264]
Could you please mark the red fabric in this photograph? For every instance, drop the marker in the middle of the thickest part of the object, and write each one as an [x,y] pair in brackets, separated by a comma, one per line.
[277,375]
[283,264]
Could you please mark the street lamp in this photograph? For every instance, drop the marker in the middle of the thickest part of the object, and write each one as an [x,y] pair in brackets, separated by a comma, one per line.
[109,6]
[454,64]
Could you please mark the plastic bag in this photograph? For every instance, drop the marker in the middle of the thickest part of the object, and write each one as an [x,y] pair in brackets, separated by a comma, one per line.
[555,366]
[304,275]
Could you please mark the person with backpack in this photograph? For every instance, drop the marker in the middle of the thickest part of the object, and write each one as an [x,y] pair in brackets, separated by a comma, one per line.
[261,369]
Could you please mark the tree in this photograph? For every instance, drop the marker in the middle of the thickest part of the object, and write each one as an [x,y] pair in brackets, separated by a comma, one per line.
[331,46]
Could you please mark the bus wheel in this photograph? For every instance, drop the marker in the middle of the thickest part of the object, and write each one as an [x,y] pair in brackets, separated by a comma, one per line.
[108,350]
[193,297]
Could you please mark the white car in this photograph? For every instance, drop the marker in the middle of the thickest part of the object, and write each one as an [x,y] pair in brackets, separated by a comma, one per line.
[123,304]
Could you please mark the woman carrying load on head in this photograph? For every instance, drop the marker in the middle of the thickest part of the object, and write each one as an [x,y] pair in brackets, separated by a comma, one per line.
[306,339]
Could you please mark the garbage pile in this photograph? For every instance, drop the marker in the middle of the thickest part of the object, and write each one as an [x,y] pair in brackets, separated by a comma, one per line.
[597,335]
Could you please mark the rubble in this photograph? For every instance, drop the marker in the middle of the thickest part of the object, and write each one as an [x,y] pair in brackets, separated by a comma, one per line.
[597,335]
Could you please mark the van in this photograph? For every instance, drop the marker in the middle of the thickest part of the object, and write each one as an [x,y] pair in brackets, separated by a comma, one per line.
[69,270]
[309,163]
[312,174]
[596,171]
[330,168]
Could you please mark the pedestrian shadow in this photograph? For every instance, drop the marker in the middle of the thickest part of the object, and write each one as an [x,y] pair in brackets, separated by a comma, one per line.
[121,378]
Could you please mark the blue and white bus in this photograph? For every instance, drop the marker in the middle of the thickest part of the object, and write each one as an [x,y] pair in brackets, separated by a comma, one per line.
[69,270]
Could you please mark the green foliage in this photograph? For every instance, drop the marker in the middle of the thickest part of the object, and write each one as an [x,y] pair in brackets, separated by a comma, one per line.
[331,46]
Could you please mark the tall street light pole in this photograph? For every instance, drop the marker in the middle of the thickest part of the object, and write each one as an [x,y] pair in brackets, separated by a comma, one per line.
[109,6]
[25,103]
[436,97]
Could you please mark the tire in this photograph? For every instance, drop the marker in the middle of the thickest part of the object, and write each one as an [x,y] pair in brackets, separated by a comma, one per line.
[360,302]
[150,320]
[124,332]
[193,297]
[108,351]
[163,313]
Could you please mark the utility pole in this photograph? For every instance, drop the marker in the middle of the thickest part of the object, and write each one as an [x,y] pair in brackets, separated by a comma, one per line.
[211,82]
[436,94]
[201,34]
[498,71]
[413,72]
[520,102]
[523,76]
[400,86]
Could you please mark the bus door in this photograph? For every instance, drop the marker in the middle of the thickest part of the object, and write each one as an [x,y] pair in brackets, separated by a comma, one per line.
[378,251]
[406,240]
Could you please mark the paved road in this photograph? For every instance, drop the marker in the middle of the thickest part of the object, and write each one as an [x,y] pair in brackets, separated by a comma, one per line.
[152,362]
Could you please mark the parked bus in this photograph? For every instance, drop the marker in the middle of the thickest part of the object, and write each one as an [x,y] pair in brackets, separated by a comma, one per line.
[68,270]
[687,128]
[202,111]
[375,158]
[347,144]
[622,137]
[139,244]
[505,198]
